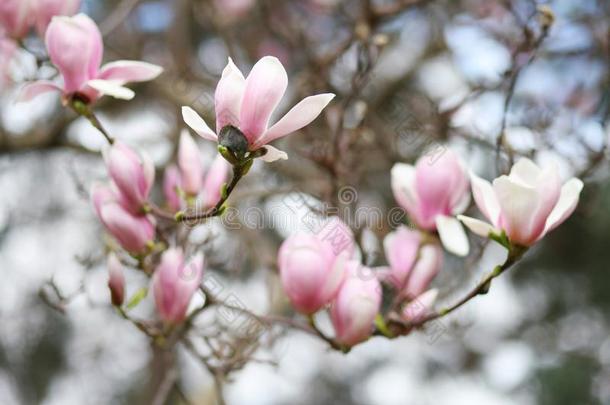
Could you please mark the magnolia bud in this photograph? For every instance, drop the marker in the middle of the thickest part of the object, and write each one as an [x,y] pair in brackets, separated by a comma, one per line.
[401,248]
[171,184]
[134,232]
[427,267]
[174,284]
[116,280]
[419,307]
[133,175]
[191,167]
[357,303]
[311,272]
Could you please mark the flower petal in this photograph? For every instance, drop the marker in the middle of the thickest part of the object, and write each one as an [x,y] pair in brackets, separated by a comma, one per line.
[194,120]
[265,87]
[299,116]
[568,199]
[273,154]
[518,203]
[485,198]
[452,235]
[477,226]
[33,90]
[112,89]
[228,96]
[403,187]
[124,71]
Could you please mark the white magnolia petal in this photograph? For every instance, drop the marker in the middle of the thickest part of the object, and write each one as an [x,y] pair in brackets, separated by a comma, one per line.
[452,235]
[112,89]
[485,198]
[403,185]
[477,226]
[124,71]
[33,90]
[198,124]
[525,172]
[299,116]
[568,199]
[273,154]
[518,204]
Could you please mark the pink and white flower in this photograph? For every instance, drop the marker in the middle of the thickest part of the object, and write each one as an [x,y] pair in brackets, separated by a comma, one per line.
[247,104]
[420,307]
[75,47]
[527,204]
[432,193]
[132,174]
[356,305]
[15,17]
[174,283]
[135,233]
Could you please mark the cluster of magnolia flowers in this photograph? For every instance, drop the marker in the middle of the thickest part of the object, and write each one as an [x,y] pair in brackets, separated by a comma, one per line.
[320,271]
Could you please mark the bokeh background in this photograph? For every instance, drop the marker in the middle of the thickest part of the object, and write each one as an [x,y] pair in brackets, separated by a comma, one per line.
[410,76]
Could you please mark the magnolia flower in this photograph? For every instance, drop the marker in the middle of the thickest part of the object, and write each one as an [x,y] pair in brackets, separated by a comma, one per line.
[116,280]
[527,204]
[311,271]
[412,267]
[75,47]
[357,303]
[45,10]
[15,17]
[132,174]
[432,192]
[419,307]
[174,284]
[135,233]
[244,107]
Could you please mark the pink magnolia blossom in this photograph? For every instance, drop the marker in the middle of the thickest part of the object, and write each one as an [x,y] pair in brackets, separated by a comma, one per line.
[174,284]
[420,307]
[132,174]
[135,233]
[116,280]
[311,271]
[75,47]
[45,10]
[357,303]
[412,266]
[15,17]
[432,192]
[527,204]
[248,103]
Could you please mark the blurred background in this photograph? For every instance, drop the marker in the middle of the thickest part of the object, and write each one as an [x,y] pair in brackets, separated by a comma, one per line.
[410,76]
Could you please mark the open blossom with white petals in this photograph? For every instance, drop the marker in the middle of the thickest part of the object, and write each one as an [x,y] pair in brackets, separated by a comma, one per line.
[246,105]
[432,192]
[75,47]
[527,204]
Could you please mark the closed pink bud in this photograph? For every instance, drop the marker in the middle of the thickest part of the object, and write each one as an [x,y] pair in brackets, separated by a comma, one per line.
[420,307]
[15,17]
[134,232]
[357,303]
[132,175]
[311,272]
[171,184]
[429,263]
[217,175]
[432,192]
[527,204]
[100,195]
[174,284]
[401,248]
[75,47]
[190,164]
[116,280]
[45,10]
